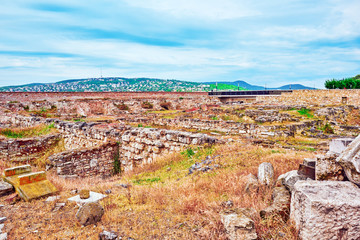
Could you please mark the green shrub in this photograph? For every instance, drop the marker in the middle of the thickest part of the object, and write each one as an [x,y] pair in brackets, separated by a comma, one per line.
[147,105]
[305,112]
[122,106]
[327,128]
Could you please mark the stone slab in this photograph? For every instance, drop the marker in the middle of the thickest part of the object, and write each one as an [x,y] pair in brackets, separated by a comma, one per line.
[31,185]
[5,188]
[94,197]
[338,145]
[326,210]
[349,159]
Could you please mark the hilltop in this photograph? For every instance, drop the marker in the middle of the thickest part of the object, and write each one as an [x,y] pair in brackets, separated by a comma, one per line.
[118,84]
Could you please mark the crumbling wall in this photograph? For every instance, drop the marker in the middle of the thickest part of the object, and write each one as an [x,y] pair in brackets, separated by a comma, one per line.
[314,97]
[26,149]
[97,161]
[143,145]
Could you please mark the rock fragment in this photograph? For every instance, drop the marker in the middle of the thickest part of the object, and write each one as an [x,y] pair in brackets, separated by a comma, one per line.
[90,213]
[266,173]
[238,226]
[106,235]
[280,205]
[252,183]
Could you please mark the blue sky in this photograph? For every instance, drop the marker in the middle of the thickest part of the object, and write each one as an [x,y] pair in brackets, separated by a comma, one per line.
[261,42]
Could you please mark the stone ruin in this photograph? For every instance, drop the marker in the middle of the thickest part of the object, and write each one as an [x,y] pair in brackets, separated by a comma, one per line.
[325,194]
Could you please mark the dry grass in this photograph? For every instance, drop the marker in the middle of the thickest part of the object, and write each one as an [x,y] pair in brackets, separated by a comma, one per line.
[175,206]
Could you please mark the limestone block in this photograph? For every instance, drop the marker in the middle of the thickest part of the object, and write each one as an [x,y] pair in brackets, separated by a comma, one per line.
[326,210]
[327,168]
[349,159]
[338,145]
[238,226]
[266,173]
[290,178]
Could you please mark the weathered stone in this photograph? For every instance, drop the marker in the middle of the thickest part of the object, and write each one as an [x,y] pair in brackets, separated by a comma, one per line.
[310,162]
[327,168]
[290,178]
[5,188]
[338,145]
[2,219]
[326,210]
[90,213]
[106,235]
[238,226]
[1,227]
[252,183]
[349,159]
[3,236]
[84,194]
[266,173]
[280,203]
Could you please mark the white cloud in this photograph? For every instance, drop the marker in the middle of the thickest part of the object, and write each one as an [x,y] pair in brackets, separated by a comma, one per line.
[204,9]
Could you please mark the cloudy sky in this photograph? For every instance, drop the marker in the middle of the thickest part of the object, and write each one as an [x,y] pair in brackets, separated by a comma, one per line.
[262,42]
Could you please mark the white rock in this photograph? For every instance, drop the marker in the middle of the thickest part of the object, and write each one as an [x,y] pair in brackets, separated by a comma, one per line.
[94,197]
[266,173]
[326,210]
[349,159]
[3,236]
[52,198]
[1,227]
[338,145]
[290,178]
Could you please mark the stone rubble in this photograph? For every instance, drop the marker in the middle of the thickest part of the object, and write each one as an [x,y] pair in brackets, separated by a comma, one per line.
[238,226]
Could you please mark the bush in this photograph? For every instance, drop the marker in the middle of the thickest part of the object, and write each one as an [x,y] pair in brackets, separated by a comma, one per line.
[146,105]
[122,107]
[327,129]
[165,105]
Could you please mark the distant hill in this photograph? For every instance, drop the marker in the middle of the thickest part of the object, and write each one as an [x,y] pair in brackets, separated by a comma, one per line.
[247,86]
[112,84]
[120,84]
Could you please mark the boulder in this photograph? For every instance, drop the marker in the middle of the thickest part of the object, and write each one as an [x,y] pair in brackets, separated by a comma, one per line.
[106,235]
[326,210]
[327,168]
[280,203]
[290,178]
[90,213]
[252,183]
[5,188]
[238,226]
[266,173]
[349,159]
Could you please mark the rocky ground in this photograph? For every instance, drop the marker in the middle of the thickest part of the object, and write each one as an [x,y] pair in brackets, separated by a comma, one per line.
[189,190]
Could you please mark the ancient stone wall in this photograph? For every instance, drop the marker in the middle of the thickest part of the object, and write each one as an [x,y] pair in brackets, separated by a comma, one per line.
[26,149]
[314,97]
[97,161]
[143,145]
